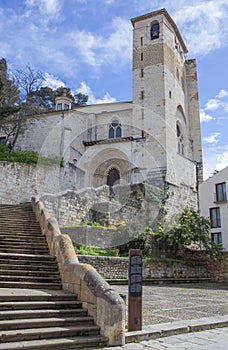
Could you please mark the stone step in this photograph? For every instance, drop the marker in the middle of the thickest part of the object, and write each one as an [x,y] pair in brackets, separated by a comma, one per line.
[23,235]
[81,342]
[29,285]
[29,257]
[47,333]
[21,232]
[12,238]
[45,322]
[43,313]
[51,274]
[50,298]
[25,278]
[20,243]
[32,267]
[19,228]
[40,304]
[25,250]
[35,313]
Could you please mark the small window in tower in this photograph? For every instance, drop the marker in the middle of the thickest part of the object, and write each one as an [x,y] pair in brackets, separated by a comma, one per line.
[154,31]
[180,141]
[59,106]
[142,95]
[177,74]
[141,41]
[142,73]
[115,130]
[141,56]
[170,94]
[66,106]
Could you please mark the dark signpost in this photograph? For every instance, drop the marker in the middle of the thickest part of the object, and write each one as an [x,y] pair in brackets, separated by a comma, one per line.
[135,290]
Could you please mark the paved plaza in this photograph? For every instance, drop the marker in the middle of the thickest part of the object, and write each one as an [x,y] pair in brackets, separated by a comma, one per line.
[173,309]
[169,303]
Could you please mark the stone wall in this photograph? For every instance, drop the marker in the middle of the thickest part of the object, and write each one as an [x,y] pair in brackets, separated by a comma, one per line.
[19,182]
[117,268]
[218,270]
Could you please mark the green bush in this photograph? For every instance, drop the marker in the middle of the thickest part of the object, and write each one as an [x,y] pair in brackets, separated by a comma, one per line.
[27,157]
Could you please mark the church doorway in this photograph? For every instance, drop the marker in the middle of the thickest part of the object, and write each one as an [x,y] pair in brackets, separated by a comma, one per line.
[113,177]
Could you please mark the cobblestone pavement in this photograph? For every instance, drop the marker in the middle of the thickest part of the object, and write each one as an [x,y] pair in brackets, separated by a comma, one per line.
[176,303]
[214,339]
[180,302]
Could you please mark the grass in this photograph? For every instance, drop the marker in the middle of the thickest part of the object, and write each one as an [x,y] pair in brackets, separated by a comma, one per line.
[94,251]
[26,157]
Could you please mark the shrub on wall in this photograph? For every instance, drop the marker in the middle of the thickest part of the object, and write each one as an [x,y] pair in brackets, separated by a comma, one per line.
[28,157]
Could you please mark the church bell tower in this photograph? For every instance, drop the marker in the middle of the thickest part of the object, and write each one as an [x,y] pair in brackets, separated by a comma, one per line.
[165,106]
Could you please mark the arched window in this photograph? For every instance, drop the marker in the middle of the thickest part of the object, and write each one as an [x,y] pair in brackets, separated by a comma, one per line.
[115,130]
[180,140]
[154,31]
[113,177]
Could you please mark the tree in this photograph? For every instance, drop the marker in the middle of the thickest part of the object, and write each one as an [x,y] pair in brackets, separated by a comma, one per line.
[45,97]
[24,95]
[189,229]
[9,101]
[80,99]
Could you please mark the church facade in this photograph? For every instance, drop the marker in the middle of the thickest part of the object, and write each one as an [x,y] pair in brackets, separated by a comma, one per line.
[153,139]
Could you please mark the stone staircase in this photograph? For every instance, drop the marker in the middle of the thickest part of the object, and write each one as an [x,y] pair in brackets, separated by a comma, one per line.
[35,313]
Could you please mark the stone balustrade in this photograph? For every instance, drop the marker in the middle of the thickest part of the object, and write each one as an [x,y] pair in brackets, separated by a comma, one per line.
[103,303]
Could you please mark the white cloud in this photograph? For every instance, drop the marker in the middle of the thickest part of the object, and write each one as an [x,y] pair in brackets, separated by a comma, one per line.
[222,93]
[201,24]
[219,102]
[212,104]
[49,8]
[212,138]
[97,50]
[52,81]
[222,161]
[86,90]
[205,117]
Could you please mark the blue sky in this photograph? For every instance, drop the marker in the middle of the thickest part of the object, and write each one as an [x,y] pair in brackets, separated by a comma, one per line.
[87,45]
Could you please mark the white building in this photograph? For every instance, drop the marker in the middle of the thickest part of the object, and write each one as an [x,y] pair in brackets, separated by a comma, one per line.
[154,139]
[214,205]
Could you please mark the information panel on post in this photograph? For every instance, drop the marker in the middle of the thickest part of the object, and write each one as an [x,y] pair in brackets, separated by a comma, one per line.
[135,290]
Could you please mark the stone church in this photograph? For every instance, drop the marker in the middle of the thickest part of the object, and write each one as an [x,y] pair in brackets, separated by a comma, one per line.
[153,139]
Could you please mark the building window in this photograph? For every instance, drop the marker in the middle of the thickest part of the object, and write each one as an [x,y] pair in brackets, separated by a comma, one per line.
[115,130]
[66,106]
[170,94]
[216,237]
[59,106]
[141,41]
[141,56]
[221,192]
[180,141]
[154,31]
[177,74]
[142,95]
[215,217]
[3,140]
[142,73]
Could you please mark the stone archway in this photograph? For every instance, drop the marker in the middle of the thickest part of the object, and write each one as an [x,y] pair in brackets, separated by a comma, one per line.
[113,177]
[111,172]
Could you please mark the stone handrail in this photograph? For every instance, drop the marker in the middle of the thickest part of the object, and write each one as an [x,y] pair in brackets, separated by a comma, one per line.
[103,303]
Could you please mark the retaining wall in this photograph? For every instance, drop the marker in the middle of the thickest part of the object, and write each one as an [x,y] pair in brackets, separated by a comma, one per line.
[117,268]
